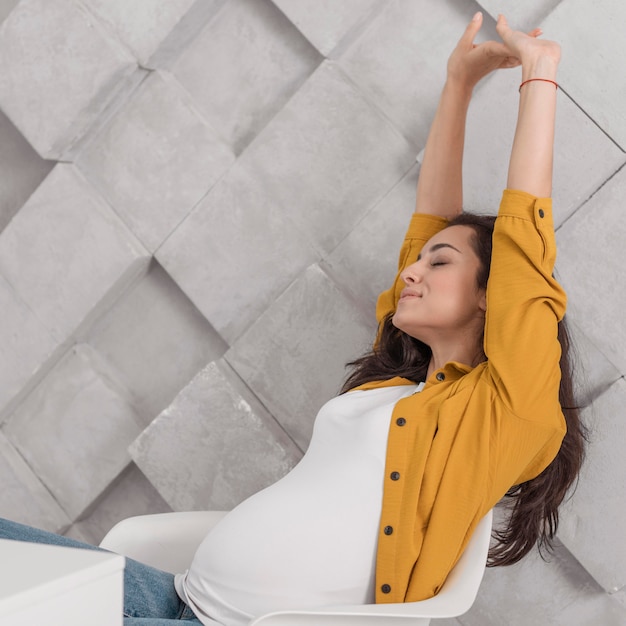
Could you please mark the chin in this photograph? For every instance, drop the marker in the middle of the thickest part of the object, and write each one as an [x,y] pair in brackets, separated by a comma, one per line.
[397,321]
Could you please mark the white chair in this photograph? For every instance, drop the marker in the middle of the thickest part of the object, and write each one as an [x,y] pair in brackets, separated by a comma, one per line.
[169,540]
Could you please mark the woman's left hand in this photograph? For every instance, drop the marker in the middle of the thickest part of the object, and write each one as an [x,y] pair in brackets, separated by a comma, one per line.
[470,62]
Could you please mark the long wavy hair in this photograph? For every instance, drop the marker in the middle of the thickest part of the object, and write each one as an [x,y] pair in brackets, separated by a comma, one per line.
[533,506]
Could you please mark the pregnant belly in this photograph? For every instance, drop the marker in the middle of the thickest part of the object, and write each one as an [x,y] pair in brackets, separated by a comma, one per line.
[301,542]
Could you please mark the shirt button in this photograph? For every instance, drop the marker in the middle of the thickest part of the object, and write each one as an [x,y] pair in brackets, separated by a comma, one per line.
[385,588]
[541,213]
[388,530]
[394,475]
[440,376]
[400,421]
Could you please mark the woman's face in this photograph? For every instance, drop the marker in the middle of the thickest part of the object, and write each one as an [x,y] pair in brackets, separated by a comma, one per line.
[441,297]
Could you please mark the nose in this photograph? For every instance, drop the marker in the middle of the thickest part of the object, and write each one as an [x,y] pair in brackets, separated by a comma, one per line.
[411,275]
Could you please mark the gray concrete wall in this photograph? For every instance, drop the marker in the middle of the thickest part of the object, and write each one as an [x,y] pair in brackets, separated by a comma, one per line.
[199,202]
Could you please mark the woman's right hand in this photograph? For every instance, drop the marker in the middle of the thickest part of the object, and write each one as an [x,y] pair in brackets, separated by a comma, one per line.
[526,47]
[470,62]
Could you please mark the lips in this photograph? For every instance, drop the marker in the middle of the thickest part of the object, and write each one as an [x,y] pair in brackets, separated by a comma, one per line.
[409,293]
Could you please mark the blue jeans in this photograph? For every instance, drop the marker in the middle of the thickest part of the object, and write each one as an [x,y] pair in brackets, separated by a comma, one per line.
[150,598]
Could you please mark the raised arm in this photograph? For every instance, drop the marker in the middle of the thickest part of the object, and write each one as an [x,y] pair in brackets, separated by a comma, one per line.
[440,185]
[530,166]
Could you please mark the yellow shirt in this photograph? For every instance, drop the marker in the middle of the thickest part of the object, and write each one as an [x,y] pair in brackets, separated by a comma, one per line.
[472,433]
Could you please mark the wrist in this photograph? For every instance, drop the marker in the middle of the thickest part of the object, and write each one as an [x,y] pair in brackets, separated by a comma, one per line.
[460,90]
[543,66]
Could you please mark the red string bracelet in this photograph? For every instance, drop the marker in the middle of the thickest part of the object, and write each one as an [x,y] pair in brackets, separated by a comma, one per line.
[545,80]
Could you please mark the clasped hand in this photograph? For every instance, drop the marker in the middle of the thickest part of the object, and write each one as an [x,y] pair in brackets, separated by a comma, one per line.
[470,62]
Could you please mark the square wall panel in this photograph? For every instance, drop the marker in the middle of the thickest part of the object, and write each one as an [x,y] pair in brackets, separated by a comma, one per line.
[23,497]
[312,327]
[328,156]
[521,15]
[26,344]
[145,26]
[74,428]
[366,261]
[66,250]
[58,71]
[589,528]
[236,252]
[214,446]
[399,61]
[21,170]
[584,157]
[156,340]
[155,159]
[128,495]
[540,592]
[591,265]
[243,67]
[326,22]
[591,35]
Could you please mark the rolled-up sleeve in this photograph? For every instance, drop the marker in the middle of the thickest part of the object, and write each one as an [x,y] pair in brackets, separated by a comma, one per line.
[524,305]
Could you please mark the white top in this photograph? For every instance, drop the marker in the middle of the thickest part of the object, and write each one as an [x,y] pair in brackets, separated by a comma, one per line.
[310,539]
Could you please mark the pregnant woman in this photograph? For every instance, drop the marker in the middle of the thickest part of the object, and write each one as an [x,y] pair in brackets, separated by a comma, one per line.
[465,398]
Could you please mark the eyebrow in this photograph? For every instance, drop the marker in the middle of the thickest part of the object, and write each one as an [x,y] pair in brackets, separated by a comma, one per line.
[438,246]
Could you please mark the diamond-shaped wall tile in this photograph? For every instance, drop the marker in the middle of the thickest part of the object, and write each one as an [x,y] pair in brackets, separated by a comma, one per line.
[21,170]
[312,327]
[243,67]
[155,159]
[214,446]
[328,157]
[25,341]
[148,26]
[325,22]
[593,372]
[366,261]
[400,59]
[591,37]
[130,494]
[59,69]
[156,340]
[23,498]
[65,250]
[521,15]
[584,157]
[590,265]
[235,253]
[75,421]
[589,528]
[6,6]
[534,591]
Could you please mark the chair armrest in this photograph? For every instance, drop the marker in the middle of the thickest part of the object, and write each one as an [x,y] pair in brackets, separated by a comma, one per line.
[167,541]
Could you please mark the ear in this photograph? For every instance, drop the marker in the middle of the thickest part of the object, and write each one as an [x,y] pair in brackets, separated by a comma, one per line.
[482,301]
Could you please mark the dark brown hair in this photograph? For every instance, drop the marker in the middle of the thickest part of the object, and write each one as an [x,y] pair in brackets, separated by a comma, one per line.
[533,514]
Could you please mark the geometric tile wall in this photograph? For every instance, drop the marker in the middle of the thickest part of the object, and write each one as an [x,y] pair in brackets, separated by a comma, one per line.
[199,202]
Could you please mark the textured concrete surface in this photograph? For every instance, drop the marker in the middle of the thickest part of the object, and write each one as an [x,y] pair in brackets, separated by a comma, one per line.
[76,419]
[243,67]
[155,159]
[94,67]
[199,202]
[65,250]
[312,327]
[214,445]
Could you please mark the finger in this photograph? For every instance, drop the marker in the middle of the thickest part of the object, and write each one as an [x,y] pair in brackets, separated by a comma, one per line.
[497,48]
[472,29]
[535,32]
[502,26]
